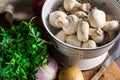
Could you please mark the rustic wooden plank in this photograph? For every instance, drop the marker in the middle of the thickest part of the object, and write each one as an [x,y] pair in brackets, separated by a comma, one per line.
[111,73]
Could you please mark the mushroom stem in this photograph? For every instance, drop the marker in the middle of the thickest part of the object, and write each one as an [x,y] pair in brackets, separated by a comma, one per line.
[111,25]
[70,4]
[80,14]
[93,31]
[85,6]
[98,39]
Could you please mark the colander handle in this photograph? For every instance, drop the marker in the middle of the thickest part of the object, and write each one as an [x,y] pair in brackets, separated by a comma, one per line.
[49,43]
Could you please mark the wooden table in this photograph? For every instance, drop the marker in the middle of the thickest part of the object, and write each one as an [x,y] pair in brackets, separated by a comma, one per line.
[111,73]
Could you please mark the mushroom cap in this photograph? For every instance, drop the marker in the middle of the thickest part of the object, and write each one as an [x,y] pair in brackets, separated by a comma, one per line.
[69,4]
[61,35]
[89,44]
[71,28]
[57,19]
[111,25]
[73,40]
[98,38]
[97,18]
[83,31]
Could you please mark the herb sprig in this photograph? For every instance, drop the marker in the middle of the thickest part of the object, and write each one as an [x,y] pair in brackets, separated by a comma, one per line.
[21,51]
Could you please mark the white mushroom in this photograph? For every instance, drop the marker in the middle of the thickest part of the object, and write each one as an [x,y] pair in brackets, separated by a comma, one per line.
[96,34]
[94,31]
[61,35]
[80,14]
[97,18]
[98,38]
[111,25]
[83,31]
[73,40]
[70,4]
[57,19]
[71,27]
[89,44]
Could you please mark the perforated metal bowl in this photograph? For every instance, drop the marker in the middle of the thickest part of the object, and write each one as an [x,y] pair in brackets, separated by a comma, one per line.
[82,57]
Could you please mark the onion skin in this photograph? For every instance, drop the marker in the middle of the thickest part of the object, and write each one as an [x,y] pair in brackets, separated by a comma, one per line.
[53,64]
[47,72]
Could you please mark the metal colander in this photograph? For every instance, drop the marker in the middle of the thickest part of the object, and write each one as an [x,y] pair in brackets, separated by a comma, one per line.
[82,57]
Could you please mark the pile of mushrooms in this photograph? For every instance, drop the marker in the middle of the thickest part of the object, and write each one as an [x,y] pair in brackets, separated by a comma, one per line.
[84,26]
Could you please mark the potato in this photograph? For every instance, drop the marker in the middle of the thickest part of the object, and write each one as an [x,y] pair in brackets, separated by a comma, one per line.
[70,73]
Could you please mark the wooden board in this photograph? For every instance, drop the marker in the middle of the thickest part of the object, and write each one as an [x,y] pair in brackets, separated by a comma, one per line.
[111,73]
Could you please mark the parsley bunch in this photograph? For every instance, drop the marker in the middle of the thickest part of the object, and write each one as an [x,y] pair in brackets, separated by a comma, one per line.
[21,51]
